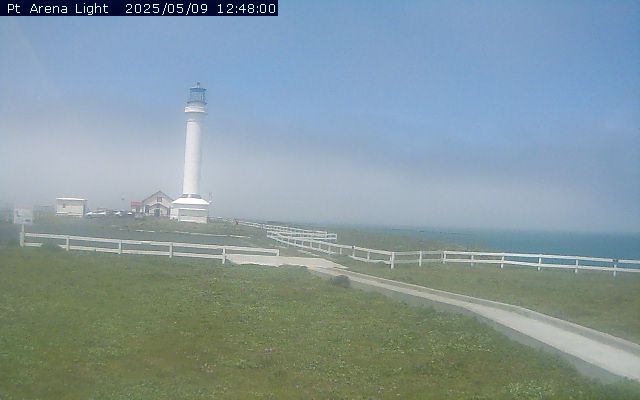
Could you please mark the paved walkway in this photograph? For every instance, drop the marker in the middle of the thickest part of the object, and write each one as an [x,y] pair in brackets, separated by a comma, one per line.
[594,353]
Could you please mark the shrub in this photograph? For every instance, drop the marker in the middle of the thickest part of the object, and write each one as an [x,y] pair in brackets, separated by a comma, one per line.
[340,280]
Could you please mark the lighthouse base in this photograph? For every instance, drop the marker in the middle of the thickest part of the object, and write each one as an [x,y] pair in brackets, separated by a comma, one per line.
[188,209]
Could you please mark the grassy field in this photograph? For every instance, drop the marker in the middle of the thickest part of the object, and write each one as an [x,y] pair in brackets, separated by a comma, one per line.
[390,240]
[95,326]
[587,298]
[146,229]
[593,299]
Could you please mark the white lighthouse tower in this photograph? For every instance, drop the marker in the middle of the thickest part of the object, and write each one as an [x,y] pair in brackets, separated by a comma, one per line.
[191,207]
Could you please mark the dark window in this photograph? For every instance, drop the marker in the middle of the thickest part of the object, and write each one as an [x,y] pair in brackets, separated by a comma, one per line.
[159,199]
[64,205]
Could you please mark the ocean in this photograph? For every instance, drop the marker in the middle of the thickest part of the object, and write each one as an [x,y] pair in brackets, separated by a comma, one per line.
[606,245]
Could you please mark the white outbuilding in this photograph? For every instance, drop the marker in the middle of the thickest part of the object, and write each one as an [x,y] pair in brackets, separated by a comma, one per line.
[71,206]
[190,209]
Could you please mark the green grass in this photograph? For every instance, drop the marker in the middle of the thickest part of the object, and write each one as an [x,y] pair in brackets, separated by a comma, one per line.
[390,240]
[128,228]
[593,299]
[93,326]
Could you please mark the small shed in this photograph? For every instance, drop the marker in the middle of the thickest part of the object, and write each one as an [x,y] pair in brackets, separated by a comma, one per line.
[71,206]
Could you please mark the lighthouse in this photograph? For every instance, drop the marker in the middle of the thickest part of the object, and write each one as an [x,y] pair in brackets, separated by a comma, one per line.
[191,207]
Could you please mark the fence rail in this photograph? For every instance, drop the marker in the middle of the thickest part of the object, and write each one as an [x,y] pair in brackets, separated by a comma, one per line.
[291,231]
[171,249]
[393,258]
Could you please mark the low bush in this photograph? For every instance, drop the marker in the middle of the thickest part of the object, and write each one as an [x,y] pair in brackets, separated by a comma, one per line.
[340,280]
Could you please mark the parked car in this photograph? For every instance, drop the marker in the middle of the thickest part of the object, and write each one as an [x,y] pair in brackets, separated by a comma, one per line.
[96,214]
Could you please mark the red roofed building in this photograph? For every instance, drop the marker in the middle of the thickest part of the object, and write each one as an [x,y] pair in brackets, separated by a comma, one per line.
[158,205]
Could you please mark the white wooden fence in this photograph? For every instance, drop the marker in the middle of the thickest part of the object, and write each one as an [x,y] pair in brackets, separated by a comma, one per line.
[125,246]
[291,231]
[393,258]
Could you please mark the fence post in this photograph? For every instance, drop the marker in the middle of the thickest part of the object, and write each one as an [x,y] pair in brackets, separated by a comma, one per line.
[444,256]
[67,243]
[502,262]
[277,252]
[539,262]
[472,263]
[615,266]
[420,259]
[171,250]
[368,255]
[224,255]
[392,259]
[354,251]
[576,270]
[340,249]
[22,236]
[119,246]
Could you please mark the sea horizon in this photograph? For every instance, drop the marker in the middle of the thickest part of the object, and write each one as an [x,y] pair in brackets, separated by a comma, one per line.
[620,245]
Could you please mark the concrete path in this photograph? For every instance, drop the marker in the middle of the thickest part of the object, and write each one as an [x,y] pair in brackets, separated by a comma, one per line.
[594,353]
[276,261]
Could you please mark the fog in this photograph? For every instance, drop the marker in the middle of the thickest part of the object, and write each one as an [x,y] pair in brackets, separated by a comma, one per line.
[479,127]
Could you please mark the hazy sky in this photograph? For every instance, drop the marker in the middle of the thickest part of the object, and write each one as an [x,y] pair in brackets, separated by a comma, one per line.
[437,114]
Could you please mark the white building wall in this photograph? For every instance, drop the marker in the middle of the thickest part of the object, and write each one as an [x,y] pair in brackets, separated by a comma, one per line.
[164,212]
[151,203]
[71,207]
[191,215]
[193,153]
